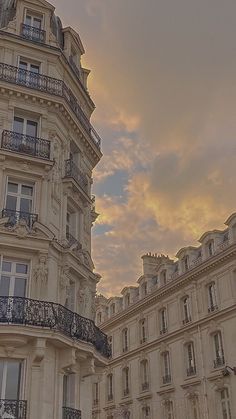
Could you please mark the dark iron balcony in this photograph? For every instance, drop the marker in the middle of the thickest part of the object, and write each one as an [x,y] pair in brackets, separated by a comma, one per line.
[219,361]
[15,409]
[72,240]
[32,33]
[166,379]
[191,371]
[69,413]
[16,216]
[52,86]
[25,144]
[72,171]
[25,311]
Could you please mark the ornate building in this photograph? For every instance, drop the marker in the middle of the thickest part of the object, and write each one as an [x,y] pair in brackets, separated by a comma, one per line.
[50,348]
[173,336]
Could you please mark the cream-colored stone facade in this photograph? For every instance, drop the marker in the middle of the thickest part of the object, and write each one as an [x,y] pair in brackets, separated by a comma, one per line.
[48,150]
[174,336]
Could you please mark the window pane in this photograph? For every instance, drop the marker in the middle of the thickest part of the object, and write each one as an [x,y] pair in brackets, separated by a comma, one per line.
[13,379]
[11,202]
[20,285]
[34,68]
[21,268]
[31,128]
[12,187]
[23,65]
[25,205]
[37,23]
[18,125]
[28,20]
[4,285]
[6,266]
[27,190]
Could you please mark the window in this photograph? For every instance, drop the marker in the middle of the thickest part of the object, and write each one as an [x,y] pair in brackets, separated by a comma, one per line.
[25,126]
[143,335]
[19,200]
[144,375]
[163,278]
[71,235]
[194,407]
[166,367]
[95,393]
[113,309]
[219,360]
[190,357]
[69,390]
[70,300]
[163,321]
[186,263]
[125,374]
[125,339]
[146,412]
[210,248]
[33,20]
[99,317]
[212,299]
[127,300]
[225,404]
[144,289]
[186,310]
[28,73]
[169,410]
[14,276]
[10,378]
[110,387]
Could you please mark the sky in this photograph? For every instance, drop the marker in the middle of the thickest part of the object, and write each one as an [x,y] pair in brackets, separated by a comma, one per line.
[163,77]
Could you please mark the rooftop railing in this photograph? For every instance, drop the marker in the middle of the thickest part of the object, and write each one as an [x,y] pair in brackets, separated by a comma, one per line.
[50,85]
[25,311]
[25,144]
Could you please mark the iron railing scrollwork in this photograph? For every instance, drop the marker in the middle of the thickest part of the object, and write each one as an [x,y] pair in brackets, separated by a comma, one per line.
[50,85]
[69,413]
[71,170]
[32,33]
[16,216]
[25,311]
[25,144]
[15,409]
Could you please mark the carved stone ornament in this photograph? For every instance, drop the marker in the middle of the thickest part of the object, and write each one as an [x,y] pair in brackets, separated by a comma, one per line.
[40,272]
[20,229]
[84,257]
[64,279]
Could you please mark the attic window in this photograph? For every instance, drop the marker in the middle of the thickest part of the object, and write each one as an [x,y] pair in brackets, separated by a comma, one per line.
[32,27]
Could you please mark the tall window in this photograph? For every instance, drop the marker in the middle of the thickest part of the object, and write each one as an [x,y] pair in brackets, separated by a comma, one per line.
[69,390]
[125,339]
[10,378]
[186,263]
[33,20]
[19,197]
[113,309]
[146,412]
[110,341]
[169,410]
[166,367]
[194,407]
[95,393]
[163,321]
[110,387]
[190,358]
[127,300]
[125,373]
[144,375]
[25,126]
[144,289]
[219,360]
[163,277]
[13,280]
[186,310]
[70,300]
[143,331]
[225,404]
[28,73]
[212,298]
[210,248]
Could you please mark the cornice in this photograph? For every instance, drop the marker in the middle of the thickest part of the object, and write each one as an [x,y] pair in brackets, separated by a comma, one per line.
[171,287]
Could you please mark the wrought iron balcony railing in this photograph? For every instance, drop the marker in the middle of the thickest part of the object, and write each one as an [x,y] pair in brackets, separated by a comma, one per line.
[191,371]
[25,144]
[17,216]
[25,311]
[72,241]
[166,379]
[69,413]
[49,85]
[32,33]
[15,409]
[219,361]
[71,170]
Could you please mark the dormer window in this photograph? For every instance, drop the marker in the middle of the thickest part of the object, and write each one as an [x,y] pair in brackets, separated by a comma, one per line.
[32,27]
[113,309]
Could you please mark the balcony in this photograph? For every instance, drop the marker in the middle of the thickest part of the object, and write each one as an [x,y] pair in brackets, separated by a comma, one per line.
[191,371]
[212,308]
[15,217]
[33,34]
[51,86]
[145,386]
[72,241]
[72,171]
[15,409]
[219,362]
[69,413]
[44,314]
[25,144]
[166,379]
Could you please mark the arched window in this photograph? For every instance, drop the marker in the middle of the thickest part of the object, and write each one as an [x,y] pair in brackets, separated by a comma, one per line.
[125,339]
[125,376]
[225,404]
[212,298]
[163,321]
[190,359]
[186,310]
[110,387]
[143,331]
[166,368]
[219,360]
[144,374]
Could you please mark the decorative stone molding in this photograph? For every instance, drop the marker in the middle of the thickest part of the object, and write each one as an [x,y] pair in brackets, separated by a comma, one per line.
[39,351]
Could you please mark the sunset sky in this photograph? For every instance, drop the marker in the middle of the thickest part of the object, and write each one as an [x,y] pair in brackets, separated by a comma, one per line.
[164,83]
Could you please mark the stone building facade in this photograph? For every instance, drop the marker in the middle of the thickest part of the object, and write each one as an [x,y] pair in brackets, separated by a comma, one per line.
[50,348]
[173,336]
